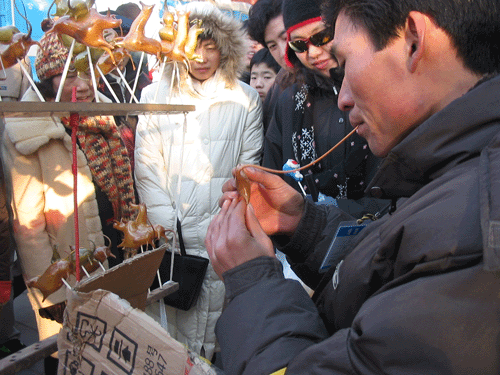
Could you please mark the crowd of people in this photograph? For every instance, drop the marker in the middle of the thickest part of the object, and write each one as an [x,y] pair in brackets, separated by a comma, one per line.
[403,212]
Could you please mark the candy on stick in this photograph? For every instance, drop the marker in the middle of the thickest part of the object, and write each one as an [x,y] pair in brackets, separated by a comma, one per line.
[167,32]
[55,275]
[192,41]
[292,165]
[178,52]
[51,280]
[135,40]
[74,8]
[7,32]
[139,232]
[79,8]
[179,44]
[67,41]
[18,45]
[89,30]
[105,62]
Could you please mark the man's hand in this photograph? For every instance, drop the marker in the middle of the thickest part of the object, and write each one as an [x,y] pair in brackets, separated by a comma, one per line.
[277,206]
[235,236]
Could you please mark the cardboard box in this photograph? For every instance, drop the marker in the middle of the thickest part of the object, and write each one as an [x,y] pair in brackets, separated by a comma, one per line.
[130,279]
[103,334]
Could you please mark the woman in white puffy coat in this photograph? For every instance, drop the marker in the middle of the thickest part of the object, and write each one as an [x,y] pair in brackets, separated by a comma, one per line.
[224,130]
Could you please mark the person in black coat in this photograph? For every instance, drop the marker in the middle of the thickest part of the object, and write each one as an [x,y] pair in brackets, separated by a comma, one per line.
[307,122]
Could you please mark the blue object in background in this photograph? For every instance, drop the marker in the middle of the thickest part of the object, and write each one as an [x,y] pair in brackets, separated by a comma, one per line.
[34,11]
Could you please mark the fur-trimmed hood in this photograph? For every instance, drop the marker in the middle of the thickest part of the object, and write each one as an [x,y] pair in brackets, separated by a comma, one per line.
[227,32]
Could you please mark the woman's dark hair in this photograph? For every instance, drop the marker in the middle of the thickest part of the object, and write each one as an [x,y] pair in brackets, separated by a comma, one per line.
[46,88]
[473,26]
[264,56]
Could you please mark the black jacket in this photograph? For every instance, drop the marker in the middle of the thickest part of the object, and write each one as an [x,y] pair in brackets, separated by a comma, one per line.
[419,291]
[306,124]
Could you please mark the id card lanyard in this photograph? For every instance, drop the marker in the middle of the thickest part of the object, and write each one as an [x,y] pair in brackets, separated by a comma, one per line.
[345,237]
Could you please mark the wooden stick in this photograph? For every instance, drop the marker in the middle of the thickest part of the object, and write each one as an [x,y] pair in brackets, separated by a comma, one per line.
[32,83]
[92,73]
[65,71]
[107,84]
[74,119]
[137,74]
[127,85]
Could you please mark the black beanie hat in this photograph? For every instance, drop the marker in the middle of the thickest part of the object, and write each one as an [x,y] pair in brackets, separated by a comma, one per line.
[297,13]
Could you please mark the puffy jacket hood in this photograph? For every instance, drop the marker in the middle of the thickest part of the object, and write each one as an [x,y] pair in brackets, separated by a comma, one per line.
[227,32]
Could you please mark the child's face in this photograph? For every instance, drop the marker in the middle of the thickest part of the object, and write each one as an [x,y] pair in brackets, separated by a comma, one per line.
[262,78]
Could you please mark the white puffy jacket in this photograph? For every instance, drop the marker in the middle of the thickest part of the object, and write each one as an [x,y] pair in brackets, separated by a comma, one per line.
[225,130]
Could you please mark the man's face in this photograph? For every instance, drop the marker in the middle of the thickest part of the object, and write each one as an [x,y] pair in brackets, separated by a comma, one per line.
[378,89]
[253,47]
[210,56]
[275,37]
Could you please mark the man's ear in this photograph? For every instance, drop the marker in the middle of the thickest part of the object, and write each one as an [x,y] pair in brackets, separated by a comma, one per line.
[415,30]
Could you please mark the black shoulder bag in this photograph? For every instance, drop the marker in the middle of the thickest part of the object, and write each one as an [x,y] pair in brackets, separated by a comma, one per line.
[189,271]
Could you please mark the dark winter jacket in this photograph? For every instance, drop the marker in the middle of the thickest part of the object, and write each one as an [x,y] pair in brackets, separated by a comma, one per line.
[283,79]
[417,294]
[306,124]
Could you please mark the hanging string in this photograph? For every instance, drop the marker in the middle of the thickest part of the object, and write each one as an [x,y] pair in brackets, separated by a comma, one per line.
[74,118]
[178,193]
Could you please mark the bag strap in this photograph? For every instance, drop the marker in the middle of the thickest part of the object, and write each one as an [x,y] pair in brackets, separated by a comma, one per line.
[181,241]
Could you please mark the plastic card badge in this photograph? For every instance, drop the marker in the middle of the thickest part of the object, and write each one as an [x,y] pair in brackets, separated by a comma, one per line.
[342,242]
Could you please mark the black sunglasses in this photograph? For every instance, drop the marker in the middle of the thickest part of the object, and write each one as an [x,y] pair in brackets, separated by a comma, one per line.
[318,40]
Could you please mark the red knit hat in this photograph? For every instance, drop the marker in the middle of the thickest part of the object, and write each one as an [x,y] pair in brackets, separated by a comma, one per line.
[51,57]
[298,13]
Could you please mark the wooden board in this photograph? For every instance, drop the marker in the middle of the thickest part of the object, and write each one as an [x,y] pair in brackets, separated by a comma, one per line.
[129,280]
[27,357]
[38,109]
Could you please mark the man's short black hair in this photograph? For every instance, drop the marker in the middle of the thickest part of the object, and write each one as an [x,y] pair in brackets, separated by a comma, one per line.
[263,56]
[259,16]
[473,26]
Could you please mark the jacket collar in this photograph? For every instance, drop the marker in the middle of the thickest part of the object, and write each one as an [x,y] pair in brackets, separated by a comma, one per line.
[456,133]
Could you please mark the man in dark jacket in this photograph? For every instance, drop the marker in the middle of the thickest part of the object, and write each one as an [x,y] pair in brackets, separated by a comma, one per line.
[265,25]
[417,292]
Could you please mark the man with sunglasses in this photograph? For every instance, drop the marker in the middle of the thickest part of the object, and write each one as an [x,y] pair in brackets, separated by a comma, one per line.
[306,122]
